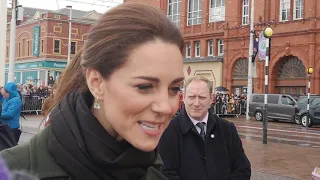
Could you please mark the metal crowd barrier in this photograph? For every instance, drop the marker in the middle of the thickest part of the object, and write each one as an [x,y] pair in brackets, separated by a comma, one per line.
[236,108]
[229,108]
[32,104]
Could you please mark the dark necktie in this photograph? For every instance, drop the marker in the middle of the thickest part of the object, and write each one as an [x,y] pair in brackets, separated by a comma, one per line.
[201,126]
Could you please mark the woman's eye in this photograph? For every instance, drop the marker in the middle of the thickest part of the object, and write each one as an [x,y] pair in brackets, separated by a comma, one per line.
[144,87]
[175,90]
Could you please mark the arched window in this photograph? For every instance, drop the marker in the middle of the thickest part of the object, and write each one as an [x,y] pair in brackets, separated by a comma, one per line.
[291,67]
[291,76]
[240,69]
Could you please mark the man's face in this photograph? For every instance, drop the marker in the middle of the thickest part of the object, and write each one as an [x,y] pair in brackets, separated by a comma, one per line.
[197,99]
[4,93]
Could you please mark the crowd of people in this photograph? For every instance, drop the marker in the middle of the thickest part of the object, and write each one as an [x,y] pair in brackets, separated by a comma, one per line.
[34,90]
[229,104]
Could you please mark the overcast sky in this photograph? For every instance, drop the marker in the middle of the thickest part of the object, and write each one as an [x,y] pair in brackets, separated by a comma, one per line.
[86,5]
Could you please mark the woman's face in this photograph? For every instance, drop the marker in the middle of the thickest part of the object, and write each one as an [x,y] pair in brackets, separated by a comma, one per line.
[140,98]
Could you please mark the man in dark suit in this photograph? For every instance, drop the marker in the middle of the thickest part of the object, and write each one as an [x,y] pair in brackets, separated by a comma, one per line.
[199,145]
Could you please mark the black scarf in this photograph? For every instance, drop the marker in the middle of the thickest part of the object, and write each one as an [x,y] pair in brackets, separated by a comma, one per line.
[85,150]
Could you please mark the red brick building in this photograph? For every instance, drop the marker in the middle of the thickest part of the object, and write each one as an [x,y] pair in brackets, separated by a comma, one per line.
[216,33]
[155,3]
[42,42]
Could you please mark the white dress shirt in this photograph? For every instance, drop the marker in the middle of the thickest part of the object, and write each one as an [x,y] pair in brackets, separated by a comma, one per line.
[205,120]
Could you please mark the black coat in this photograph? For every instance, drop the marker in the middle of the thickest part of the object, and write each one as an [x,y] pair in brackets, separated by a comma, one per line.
[187,157]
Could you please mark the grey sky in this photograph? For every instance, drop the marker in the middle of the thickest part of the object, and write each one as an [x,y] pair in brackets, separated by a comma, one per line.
[86,5]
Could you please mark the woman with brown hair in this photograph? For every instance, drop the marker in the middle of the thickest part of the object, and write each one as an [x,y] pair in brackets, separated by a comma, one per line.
[47,103]
[110,110]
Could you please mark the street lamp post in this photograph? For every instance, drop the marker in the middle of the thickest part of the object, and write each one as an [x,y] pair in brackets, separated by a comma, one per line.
[250,60]
[310,71]
[70,28]
[267,32]
[3,29]
[12,53]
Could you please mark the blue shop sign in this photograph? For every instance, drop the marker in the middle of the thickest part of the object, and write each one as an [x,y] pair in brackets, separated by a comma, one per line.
[53,64]
[40,64]
[36,40]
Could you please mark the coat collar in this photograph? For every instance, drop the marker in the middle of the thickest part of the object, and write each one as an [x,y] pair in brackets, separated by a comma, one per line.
[187,125]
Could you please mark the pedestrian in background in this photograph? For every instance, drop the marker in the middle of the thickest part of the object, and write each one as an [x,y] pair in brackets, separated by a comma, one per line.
[51,81]
[200,145]
[11,108]
[112,109]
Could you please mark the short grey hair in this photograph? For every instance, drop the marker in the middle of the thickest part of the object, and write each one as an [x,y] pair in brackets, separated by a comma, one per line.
[199,78]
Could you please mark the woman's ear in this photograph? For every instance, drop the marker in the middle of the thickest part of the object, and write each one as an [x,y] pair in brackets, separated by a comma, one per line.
[95,83]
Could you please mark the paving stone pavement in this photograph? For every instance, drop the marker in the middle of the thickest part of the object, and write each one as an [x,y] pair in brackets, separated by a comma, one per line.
[257,175]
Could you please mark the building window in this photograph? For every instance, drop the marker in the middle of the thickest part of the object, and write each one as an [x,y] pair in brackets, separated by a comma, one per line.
[240,69]
[57,16]
[194,12]
[19,49]
[291,67]
[188,50]
[245,12]
[7,51]
[220,47]
[284,10]
[174,11]
[217,10]
[210,48]
[73,47]
[42,46]
[24,48]
[57,29]
[56,45]
[28,48]
[197,49]
[74,31]
[298,9]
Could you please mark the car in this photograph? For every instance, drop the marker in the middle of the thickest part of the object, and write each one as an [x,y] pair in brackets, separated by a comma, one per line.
[314,110]
[280,107]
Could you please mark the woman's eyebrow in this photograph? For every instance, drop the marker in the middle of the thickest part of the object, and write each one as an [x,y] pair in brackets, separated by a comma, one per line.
[155,79]
[179,79]
[149,78]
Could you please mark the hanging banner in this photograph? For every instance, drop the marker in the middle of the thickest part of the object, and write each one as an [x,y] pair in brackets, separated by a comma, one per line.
[262,51]
[36,40]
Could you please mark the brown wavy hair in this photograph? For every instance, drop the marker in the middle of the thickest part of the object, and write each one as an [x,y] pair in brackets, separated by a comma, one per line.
[111,40]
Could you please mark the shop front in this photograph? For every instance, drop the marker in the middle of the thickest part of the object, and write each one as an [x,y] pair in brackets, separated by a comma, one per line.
[36,73]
